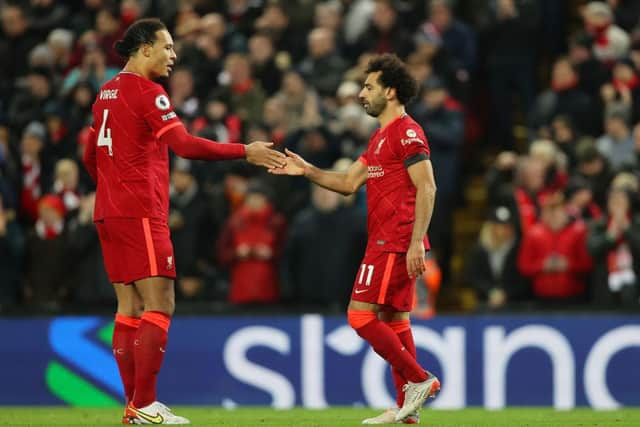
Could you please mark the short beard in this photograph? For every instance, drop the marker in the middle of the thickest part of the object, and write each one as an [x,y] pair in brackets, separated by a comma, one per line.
[375,109]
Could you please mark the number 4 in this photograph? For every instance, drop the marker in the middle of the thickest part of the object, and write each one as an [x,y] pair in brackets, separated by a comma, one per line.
[364,267]
[104,136]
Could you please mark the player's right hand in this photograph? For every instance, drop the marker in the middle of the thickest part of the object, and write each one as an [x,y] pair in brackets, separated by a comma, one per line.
[260,153]
[296,165]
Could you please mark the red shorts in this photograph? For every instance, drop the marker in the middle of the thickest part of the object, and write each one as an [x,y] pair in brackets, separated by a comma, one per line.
[136,248]
[383,279]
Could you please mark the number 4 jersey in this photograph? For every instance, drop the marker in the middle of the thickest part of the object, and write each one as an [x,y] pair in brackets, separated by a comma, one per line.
[130,115]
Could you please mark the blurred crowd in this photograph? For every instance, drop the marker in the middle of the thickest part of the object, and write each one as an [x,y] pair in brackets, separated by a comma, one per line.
[547,91]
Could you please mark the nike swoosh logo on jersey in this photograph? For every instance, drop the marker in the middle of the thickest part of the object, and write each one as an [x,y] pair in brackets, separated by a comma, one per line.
[359,291]
[153,420]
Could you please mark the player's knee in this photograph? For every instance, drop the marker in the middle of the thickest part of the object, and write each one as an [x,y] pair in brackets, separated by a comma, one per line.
[359,318]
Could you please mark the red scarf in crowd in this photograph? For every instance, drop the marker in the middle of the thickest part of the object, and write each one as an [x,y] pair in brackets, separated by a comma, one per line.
[620,265]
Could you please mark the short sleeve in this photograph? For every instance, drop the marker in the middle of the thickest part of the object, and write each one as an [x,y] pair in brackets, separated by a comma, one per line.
[158,111]
[411,144]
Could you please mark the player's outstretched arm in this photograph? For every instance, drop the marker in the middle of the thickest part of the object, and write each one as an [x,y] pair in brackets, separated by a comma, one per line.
[341,182]
[193,147]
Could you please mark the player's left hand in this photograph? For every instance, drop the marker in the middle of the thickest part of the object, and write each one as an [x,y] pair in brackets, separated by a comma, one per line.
[261,154]
[415,259]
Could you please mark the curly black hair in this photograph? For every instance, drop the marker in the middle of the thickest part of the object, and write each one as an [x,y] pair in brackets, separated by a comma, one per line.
[394,74]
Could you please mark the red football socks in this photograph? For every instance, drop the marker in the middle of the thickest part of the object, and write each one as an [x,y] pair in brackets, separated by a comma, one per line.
[386,343]
[124,332]
[150,344]
[402,328]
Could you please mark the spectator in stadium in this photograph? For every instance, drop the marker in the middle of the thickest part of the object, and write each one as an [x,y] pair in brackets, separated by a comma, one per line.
[510,27]
[87,278]
[564,134]
[616,144]
[301,103]
[614,244]
[385,33]
[491,267]
[250,245]
[339,237]
[93,69]
[192,228]
[328,15]
[458,40]
[277,24]
[217,122]
[592,73]
[46,263]
[323,67]
[36,171]
[244,93]
[580,203]
[60,144]
[622,92]
[352,125]
[18,39]
[264,64]
[443,118]
[66,185]
[12,246]
[222,33]
[317,144]
[60,41]
[77,108]
[553,254]
[563,97]
[35,92]
[594,167]
[109,27]
[611,41]
[47,15]
[183,96]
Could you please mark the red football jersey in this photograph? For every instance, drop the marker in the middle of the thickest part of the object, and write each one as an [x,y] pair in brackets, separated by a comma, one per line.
[391,195]
[130,115]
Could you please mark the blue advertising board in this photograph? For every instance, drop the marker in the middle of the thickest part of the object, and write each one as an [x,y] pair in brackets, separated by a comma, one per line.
[317,361]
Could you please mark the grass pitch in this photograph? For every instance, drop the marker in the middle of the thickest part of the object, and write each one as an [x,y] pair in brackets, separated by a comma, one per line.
[259,417]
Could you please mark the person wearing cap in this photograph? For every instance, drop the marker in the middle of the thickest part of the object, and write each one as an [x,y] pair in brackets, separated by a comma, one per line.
[553,254]
[250,246]
[491,265]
